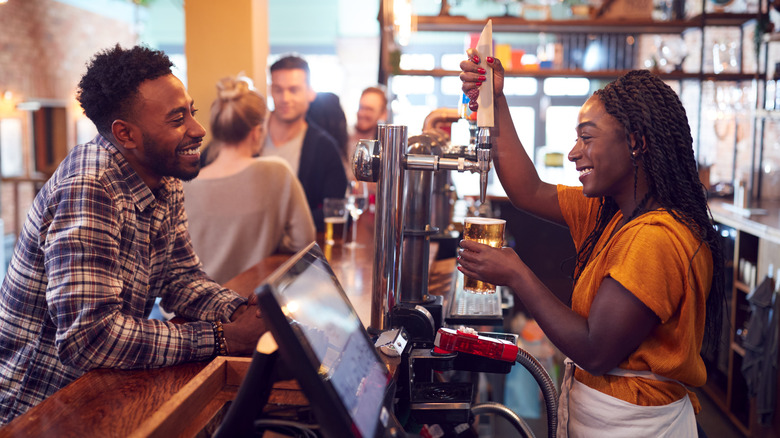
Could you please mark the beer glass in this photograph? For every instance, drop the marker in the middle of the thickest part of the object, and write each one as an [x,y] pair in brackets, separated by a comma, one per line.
[335,216]
[489,231]
[357,203]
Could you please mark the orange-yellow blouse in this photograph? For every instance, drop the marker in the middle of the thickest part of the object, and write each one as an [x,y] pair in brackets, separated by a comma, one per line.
[662,263]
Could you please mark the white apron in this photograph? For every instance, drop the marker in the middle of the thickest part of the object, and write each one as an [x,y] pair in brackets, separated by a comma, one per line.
[586,412]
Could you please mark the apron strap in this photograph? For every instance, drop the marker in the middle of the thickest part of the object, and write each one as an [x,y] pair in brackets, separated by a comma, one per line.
[635,373]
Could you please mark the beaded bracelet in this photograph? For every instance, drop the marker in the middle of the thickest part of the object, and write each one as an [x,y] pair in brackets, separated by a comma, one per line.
[220,344]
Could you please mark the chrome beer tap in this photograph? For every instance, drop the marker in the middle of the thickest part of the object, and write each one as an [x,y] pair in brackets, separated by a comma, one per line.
[483,150]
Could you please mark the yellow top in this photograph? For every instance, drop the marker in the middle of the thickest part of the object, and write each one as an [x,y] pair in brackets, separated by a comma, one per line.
[665,266]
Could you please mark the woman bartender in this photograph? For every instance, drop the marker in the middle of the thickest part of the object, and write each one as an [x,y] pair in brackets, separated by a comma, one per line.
[649,268]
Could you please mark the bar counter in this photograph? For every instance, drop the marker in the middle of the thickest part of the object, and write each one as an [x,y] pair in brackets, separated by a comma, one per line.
[180,400]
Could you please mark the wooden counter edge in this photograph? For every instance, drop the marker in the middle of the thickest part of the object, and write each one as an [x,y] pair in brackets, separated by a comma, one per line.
[175,416]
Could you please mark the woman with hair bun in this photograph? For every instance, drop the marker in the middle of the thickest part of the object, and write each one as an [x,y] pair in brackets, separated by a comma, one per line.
[241,208]
[648,280]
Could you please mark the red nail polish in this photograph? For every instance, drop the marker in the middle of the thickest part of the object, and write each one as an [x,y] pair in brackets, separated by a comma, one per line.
[479,83]
[481,71]
[475,60]
[490,59]
[482,78]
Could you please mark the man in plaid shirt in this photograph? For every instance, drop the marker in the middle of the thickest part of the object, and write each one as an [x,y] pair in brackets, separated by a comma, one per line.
[105,236]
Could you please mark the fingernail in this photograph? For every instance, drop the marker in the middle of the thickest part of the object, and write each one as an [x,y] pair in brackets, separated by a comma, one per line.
[481,71]
[482,78]
[490,59]
[479,83]
[475,59]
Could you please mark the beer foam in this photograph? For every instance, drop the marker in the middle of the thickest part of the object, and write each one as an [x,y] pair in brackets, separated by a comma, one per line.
[484,220]
[335,220]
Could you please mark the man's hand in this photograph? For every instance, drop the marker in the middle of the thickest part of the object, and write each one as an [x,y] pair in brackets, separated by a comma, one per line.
[250,302]
[244,330]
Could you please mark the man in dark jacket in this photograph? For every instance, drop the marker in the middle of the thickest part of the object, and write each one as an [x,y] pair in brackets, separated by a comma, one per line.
[311,152]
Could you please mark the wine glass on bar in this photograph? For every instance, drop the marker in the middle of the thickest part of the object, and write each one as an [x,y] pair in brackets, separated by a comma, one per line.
[357,202]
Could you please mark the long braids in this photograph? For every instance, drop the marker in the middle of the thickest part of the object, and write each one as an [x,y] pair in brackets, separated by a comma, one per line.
[650,109]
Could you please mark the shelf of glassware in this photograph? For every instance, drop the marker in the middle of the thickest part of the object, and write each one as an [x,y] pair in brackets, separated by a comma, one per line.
[450,23]
[599,74]
[447,23]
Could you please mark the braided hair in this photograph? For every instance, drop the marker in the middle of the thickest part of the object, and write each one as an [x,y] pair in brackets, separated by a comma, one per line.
[650,109]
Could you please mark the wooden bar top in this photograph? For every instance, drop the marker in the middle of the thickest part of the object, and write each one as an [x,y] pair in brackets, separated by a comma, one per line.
[110,402]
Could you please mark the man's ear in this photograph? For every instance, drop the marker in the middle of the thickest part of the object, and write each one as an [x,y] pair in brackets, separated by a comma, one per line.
[124,133]
[312,94]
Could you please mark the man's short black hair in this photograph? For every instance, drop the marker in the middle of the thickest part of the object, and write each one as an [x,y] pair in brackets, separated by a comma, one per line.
[291,62]
[108,88]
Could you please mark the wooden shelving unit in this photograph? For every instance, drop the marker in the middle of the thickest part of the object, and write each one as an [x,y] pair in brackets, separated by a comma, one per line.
[599,74]
[450,23]
[756,240]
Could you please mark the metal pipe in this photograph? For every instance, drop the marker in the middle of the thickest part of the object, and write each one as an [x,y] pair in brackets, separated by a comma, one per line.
[388,222]
[417,231]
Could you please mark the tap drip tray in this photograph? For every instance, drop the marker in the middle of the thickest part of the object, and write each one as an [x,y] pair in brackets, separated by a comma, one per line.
[473,309]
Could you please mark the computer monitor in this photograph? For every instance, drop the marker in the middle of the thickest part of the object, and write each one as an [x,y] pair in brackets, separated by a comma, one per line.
[324,344]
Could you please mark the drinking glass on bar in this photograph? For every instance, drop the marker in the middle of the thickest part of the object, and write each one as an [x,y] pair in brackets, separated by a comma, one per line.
[357,203]
[335,216]
[489,231]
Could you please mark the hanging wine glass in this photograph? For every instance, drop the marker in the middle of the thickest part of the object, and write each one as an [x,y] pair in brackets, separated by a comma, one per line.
[357,202]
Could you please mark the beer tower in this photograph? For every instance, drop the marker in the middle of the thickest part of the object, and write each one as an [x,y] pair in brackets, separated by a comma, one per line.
[387,162]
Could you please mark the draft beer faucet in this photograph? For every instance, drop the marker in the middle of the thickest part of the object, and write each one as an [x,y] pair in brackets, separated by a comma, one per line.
[483,150]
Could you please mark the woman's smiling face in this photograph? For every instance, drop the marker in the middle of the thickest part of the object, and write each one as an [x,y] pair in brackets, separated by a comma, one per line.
[601,154]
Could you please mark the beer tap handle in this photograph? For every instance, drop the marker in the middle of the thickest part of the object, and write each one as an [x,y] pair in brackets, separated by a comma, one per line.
[485,112]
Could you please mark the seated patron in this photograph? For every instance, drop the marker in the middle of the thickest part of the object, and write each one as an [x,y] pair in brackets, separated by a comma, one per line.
[241,209]
[106,235]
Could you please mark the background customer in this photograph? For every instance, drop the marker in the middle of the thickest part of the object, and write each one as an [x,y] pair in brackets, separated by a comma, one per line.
[241,209]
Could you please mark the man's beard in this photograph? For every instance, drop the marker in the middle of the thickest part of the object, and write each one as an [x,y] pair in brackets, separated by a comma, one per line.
[165,164]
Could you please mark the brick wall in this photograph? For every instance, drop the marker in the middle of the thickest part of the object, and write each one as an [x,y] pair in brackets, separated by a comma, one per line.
[44,48]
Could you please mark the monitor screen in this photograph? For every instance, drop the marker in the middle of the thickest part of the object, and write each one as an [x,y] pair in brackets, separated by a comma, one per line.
[324,344]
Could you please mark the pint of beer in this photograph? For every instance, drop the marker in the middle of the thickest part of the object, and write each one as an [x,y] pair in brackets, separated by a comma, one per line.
[335,227]
[335,213]
[489,231]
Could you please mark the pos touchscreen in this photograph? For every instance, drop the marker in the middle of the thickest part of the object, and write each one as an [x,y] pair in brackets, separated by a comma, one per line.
[323,343]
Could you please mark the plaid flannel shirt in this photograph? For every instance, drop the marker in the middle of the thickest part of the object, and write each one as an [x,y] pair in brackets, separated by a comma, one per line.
[97,248]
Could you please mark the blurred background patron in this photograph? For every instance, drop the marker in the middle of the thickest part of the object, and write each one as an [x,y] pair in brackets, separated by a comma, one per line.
[311,152]
[372,111]
[242,209]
